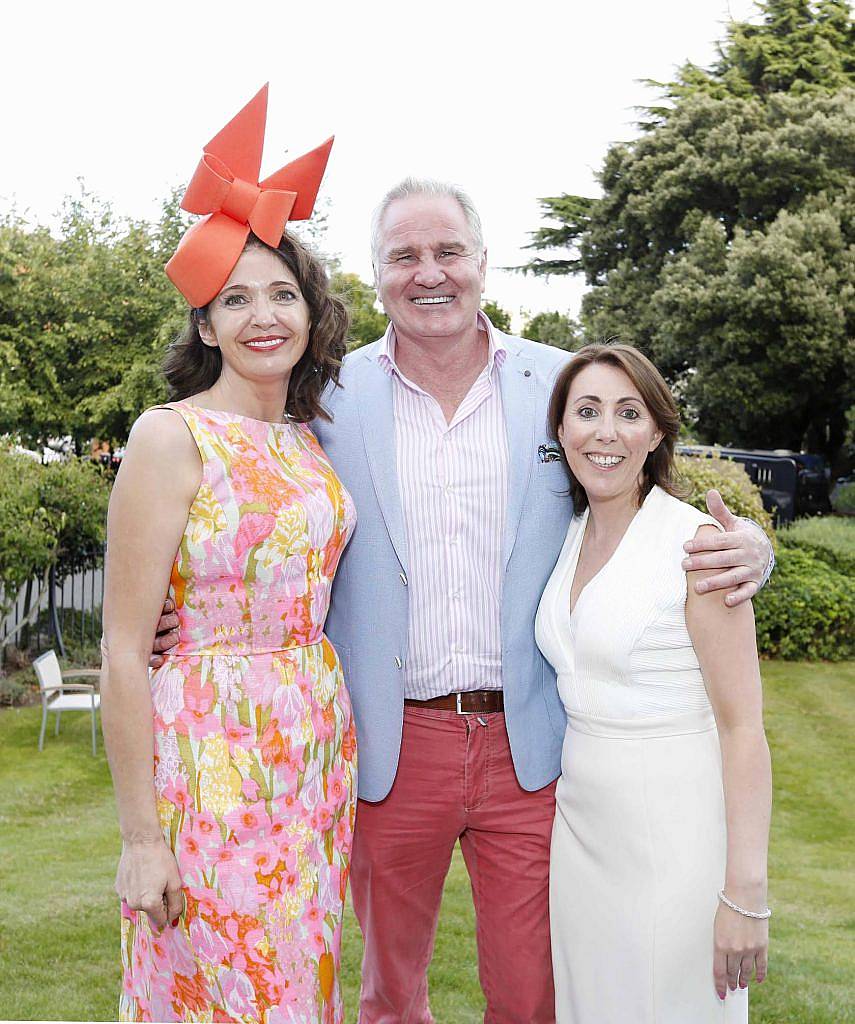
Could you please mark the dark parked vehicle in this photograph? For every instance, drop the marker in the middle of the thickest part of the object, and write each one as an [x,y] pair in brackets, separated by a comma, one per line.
[791,483]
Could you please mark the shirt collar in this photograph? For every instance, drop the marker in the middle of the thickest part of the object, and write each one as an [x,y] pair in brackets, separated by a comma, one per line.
[497,350]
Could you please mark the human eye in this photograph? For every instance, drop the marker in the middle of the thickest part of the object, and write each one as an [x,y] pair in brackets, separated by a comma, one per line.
[286,295]
[234,299]
[587,412]
[629,413]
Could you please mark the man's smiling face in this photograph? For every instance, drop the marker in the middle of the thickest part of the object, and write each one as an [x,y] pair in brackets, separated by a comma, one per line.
[430,276]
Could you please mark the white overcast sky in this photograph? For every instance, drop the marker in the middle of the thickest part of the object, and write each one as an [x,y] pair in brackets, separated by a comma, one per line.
[511,101]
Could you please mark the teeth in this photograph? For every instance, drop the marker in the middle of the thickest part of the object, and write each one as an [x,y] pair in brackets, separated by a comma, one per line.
[268,343]
[605,460]
[432,300]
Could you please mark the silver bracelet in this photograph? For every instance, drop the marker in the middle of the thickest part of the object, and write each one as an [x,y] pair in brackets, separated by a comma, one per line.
[762,916]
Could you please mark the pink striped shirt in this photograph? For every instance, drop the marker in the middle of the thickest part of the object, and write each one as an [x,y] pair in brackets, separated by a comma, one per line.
[453,480]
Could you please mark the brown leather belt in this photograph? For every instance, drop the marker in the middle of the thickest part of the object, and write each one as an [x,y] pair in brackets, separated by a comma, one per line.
[470,702]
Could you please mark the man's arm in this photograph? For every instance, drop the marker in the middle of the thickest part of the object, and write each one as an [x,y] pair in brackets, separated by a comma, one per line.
[743,553]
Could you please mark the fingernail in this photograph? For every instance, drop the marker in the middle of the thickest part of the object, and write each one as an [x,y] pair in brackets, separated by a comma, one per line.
[175,922]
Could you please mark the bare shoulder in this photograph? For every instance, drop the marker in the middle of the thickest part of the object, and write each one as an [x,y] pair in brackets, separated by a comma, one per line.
[160,445]
[161,433]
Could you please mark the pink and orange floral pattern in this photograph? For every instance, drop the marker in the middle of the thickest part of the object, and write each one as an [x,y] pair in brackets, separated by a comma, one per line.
[255,766]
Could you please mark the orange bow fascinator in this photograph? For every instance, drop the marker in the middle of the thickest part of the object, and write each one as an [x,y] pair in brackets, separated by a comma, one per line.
[225,187]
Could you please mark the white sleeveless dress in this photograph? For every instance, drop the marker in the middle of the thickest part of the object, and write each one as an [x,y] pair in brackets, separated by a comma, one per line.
[639,841]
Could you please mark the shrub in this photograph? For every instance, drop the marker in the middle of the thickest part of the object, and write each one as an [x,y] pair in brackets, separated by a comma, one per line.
[75,495]
[830,539]
[27,536]
[807,610]
[49,515]
[843,499]
[740,495]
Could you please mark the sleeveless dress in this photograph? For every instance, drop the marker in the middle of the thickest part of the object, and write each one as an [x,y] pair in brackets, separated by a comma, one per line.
[255,770]
[639,841]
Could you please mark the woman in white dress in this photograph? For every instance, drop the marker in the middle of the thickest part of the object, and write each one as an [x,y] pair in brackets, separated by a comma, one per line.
[658,867]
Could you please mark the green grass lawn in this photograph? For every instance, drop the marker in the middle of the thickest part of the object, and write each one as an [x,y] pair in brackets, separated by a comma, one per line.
[58,845]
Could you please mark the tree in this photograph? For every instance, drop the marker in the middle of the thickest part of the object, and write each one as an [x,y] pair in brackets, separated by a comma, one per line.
[553,328]
[85,318]
[723,243]
[799,47]
[84,321]
[367,323]
[498,317]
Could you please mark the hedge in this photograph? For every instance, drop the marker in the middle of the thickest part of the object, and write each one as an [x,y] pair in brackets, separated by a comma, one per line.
[49,516]
[831,539]
[742,497]
[806,611]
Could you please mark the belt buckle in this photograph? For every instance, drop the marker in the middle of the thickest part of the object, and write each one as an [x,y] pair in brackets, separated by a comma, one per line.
[458,700]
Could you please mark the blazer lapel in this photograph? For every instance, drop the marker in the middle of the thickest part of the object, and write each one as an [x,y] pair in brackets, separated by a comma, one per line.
[377,420]
[519,398]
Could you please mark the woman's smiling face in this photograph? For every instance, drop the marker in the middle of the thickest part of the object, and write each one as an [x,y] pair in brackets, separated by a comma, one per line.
[259,320]
[607,432]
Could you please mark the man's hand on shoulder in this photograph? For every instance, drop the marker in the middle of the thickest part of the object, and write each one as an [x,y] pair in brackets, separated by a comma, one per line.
[742,552]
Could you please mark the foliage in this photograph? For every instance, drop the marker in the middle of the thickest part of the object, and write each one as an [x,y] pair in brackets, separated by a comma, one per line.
[742,497]
[807,610]
[843,499]
[554,328]
[498,317]
[49,516]
[799,47]
[75,495]
[367,323]
[831,539]
[28,538]
[65,792]
[85,319]
[724,243]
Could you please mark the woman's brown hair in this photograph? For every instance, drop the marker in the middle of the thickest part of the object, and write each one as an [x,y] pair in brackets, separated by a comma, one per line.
[659,465]
[191,366]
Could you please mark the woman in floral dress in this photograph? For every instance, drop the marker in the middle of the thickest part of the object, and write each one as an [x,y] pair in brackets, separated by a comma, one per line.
[234,766]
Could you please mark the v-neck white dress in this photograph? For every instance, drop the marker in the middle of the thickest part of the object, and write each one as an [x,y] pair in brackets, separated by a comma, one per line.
[639,841]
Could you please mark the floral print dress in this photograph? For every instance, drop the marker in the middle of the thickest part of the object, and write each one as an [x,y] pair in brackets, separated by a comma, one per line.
[255,768]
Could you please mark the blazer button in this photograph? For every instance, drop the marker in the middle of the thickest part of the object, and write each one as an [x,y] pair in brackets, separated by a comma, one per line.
[398,662]
[403,576]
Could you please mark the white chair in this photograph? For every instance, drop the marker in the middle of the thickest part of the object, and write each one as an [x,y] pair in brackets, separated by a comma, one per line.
[59,696]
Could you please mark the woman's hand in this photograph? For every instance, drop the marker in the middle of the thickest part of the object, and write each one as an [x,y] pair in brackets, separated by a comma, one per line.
[741,948]
[148,879]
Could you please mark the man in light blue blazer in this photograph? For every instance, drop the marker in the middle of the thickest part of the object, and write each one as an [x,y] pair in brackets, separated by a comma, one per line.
[440,759]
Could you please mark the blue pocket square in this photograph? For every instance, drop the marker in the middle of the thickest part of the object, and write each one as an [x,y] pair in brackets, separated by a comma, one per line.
[549,453]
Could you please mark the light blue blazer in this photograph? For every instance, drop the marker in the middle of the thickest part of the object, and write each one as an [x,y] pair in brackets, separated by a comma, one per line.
[367,621]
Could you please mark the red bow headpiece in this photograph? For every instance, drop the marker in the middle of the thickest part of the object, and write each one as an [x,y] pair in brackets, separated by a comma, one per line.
[224,187]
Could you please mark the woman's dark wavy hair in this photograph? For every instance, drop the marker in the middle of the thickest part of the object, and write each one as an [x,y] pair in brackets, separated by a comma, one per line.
[191,366]
[659,465]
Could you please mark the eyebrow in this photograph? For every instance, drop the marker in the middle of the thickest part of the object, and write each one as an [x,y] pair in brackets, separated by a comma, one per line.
[273,284]
[596,398]
[408,250]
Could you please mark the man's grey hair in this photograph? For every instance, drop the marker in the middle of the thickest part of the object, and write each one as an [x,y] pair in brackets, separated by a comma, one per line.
[411,186]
